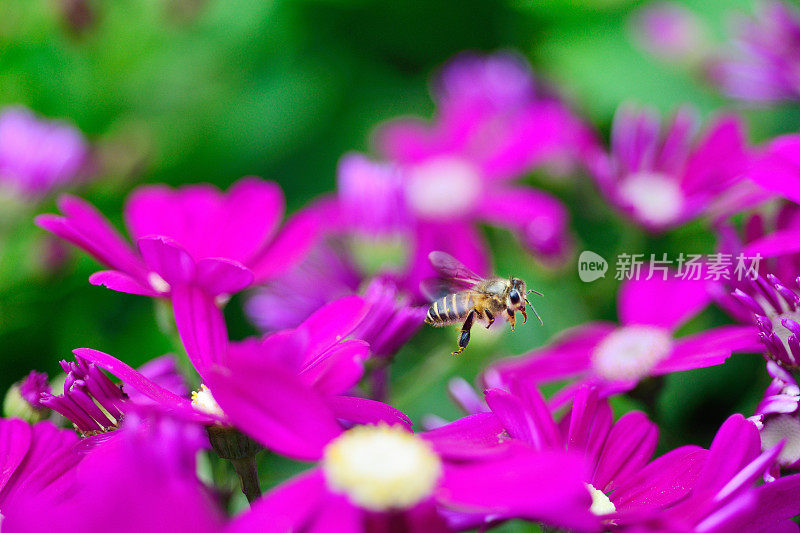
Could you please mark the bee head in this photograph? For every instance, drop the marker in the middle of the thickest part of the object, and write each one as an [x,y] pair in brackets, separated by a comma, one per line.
[516,294]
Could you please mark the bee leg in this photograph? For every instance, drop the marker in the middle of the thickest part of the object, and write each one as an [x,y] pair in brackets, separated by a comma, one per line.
[512,319]
[524,315]
[490,318]
[463,339]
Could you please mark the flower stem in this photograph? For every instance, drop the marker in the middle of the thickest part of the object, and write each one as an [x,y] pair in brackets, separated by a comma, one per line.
[248,475]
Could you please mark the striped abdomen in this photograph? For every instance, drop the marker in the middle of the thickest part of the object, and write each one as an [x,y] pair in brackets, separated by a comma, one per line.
[449,309]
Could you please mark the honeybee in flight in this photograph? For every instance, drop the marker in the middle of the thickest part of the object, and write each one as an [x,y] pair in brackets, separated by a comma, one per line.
[471,296]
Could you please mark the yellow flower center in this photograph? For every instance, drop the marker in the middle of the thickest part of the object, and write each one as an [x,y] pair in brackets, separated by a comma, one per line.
[381,467]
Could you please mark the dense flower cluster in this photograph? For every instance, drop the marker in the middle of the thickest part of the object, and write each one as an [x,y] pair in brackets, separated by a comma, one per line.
[337,289]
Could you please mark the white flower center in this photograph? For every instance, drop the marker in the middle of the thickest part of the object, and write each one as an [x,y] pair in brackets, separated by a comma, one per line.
[782,428]
[630,352]
[204,401]
[655,198]
[443,188]
[601,504]
[381,467]
[158,283]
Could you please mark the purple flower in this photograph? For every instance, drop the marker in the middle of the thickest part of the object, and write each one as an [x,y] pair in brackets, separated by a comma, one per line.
[724,497]
[95,405]
[36,462]
[669,31]
[327,273]
[143,480]
[354,488]
[437,181]
[777,418]
[195,235]
[662,177]
[777,168]
[624,483]
[762,63]
[768,244]
[32,387]
[615,358]
[38,156]
[776,312]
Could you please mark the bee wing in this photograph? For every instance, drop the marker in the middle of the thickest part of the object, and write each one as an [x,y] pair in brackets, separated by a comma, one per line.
[435,288]
[451,268]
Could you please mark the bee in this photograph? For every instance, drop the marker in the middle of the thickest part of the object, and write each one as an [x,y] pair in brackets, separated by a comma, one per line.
[472,297]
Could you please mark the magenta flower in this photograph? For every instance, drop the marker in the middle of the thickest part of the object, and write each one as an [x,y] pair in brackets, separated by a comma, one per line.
[773,239]
[326,274]
[32,387]
[195,235]
[143,480]
[95,405]
[662,177]
[669,31]
[615,357]
[624,483]
[36,462]
[777,168]
[354,488]
[438,181]
[38,156]
[763,60]
[777,419]
[724,497]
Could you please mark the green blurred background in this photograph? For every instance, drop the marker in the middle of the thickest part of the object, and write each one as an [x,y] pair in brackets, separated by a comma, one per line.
[183,91]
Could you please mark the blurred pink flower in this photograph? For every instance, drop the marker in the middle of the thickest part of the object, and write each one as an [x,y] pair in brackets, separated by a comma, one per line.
[669,31]
[437,180]
[39,156]
[663,176]
[762,62]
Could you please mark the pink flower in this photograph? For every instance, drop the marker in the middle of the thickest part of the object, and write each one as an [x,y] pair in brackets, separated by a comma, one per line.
[724,497]
[353,486]
[194,235]
[37,156]
[763,58]
[616,357]
[435,182]
[663,176]
[670,31]
[624,483]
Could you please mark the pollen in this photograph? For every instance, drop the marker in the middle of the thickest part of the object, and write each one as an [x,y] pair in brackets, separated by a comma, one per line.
[631,352]
[381,467]
[784,428]
[204,401]
[601,504]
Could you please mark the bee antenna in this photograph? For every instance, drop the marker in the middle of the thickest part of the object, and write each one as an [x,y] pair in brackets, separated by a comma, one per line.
[534,292]
[536,314]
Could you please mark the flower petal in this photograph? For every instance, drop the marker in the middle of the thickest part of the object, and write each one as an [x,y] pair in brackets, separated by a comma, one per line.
[168,259]
[201,326]
[331,324]
[678,301]
[288,507]
[121,282]
[273,406]
[628,448]
[365,411]
[290,246]
[472,437]
[222,276]
[569,354]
